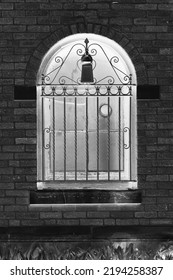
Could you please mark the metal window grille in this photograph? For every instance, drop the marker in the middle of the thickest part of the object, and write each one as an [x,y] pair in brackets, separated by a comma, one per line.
[86,133]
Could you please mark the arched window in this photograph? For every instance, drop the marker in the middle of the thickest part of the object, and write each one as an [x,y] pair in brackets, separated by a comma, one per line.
[86,108]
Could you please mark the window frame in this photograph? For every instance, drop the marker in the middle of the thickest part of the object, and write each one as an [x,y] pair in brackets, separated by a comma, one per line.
[108,185]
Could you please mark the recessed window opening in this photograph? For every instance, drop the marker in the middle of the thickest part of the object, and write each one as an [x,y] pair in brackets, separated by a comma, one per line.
[86,92]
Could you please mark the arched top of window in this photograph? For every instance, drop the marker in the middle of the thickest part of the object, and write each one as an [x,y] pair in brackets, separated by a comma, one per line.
[62,64]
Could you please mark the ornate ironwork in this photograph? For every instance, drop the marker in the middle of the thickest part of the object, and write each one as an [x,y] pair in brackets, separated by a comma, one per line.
[93,49]
[94,90]
[126,129]
[46,130]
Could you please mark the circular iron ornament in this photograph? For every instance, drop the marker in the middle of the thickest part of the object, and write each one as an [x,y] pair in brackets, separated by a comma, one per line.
[105,110]
[59,60]
[114,59]
[93,52]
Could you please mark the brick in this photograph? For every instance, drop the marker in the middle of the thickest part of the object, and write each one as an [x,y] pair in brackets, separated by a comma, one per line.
[28,216]
[13,133]
[15,208]
[165,214]
[25,125]
[13,148]
[165,141]
[146,215]
[25,171]
[126,222]
[14,223]
[14,163]
[71,222]
[157,178]
[50,215]
[50,222]
[6,186]
[32,223]
[74,215]
[25,185]
[144,21]
[6,170]
[161,222]
[6,21]
[165,7]
[146,6]
[6,141]
[100,214]
[17,193]
[156,29]
[165,200]
[6,6]
[25,20]
[6,125]
[22,200]
[98,6]
[109,222]
[35,28]
[14,28]
[7,201]
[158,207]
[144,222]
[91,222]
[25,141]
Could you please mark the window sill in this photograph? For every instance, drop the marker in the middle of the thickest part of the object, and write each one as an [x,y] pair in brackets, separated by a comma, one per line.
[85,207]
[85,196]
[89,185]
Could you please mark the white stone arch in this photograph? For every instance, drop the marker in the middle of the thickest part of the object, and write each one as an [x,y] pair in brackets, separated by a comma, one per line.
[111,48]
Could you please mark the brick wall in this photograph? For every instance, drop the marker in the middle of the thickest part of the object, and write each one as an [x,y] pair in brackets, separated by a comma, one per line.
[28,28]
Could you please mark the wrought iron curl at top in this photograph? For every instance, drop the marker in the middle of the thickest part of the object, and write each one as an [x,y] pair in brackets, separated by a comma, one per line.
[80,52]
[114,59]
[59,59]
[93,52]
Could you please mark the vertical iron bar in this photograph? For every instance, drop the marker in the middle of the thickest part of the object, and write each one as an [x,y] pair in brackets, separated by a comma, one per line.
[64,138]
[75,139]
[108,146]
[86,138]
[119,120]
[53,127]
[43,140]
[97,138]
[130,124]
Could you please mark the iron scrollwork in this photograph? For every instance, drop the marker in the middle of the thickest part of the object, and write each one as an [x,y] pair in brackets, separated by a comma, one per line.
[46,130]
[94,49]
[125,130]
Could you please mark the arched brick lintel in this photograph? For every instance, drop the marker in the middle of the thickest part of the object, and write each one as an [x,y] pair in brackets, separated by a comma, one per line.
[109,32]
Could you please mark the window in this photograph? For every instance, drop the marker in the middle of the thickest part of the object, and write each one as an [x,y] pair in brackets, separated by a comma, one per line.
[86,130]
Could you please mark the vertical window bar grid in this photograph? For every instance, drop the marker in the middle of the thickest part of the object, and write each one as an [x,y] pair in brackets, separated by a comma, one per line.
[86,138]
[119,129]
[53,128]
[97,138]
[75,139]
[108,145]
[43,140]
[65,139]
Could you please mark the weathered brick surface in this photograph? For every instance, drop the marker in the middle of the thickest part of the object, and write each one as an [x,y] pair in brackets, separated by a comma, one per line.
[27,30]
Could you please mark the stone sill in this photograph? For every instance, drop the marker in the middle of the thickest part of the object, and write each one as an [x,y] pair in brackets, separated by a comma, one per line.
[86,207]
[85,197]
